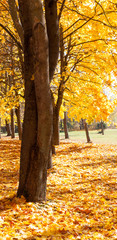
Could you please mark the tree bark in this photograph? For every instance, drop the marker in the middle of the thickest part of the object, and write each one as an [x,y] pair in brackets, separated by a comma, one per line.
[102,127]
[8,128]
[37,126]
[0,127]
[53,34]
[56,140]
[50,159]
[17,112]
[87,132]
[65,125]
[12,124]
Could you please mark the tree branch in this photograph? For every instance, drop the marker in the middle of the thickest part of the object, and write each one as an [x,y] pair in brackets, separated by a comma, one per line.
[61,9]
[11,35]
[15,18]
[53,34]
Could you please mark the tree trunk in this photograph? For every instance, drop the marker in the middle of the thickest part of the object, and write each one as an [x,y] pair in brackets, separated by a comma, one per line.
[12,124]
[65,125]
[81,124]
[53,149]
[56,140]
[102,127]
[50,159]
[37,127]
[87,132]
[17,112]
[0,127]
[8,129]
[53,34]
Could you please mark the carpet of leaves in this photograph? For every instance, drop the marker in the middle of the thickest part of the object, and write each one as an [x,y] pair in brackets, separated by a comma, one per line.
[81,195]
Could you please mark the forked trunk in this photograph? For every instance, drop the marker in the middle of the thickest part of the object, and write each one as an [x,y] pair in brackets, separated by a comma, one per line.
[37,127]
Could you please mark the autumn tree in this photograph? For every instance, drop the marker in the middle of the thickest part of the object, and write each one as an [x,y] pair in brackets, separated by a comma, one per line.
[87,43]
[40,44]
[40,51]
[11,83]
[10,69]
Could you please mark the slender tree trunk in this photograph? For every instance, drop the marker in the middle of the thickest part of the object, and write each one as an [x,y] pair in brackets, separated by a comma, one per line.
[0,127]
[102,127]
[53,149]
[17,111]
[8,128]
[81,124]
[12,124]
[56,140]
[53,34]
[65,125]
[87,131]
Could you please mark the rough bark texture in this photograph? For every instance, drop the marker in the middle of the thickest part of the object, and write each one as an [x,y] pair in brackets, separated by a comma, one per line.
[65,125]
[53,34]
[37,127]
[50,159]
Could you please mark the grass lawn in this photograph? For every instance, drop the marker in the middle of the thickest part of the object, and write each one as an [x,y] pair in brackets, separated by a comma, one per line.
[109,137]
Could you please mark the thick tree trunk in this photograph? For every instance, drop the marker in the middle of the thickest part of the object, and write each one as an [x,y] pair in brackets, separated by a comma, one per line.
[17,112]
[37,127]
[87,131]
[12,124]
[50,159]
[8,128]
[65,125]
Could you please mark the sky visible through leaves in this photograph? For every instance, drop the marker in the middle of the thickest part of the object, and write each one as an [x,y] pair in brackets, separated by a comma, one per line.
[81,195]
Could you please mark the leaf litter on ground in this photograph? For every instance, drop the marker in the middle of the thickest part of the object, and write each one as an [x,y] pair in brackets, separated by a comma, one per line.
[81,195]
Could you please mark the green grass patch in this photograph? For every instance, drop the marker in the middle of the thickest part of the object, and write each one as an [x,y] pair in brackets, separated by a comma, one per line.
[109,137]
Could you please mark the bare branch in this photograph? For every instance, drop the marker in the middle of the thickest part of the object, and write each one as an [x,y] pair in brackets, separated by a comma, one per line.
[78,27]
[61,9]
[11,35]
[15,18]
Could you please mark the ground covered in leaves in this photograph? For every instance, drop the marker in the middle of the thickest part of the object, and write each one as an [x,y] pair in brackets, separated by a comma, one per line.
[81,195]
